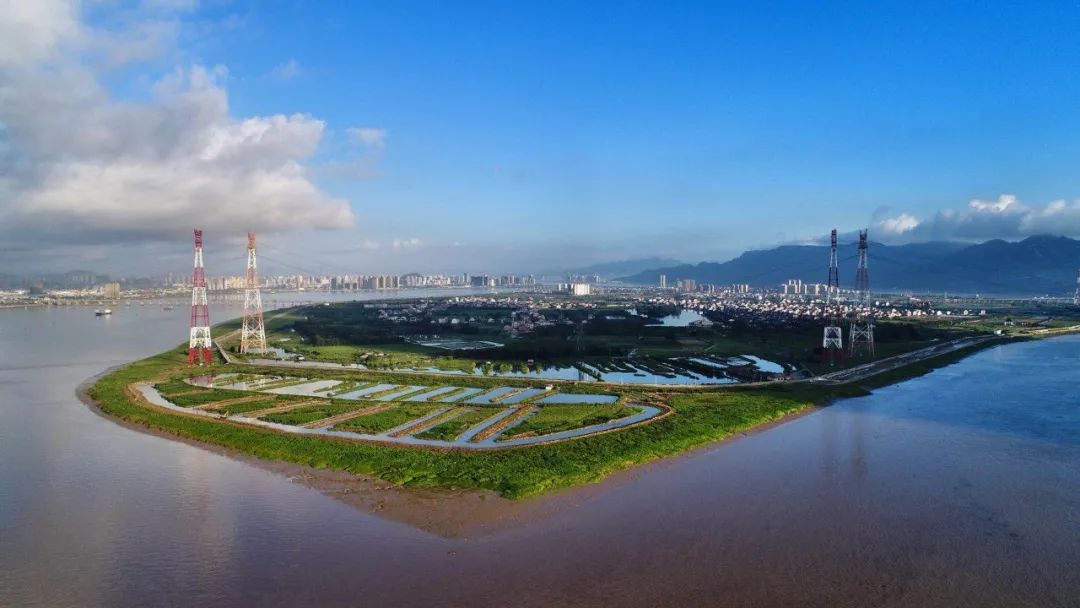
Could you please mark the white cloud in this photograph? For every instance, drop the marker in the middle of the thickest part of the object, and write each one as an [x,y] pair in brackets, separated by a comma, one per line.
[34,31]
[286,71]
[898,225]
[78,164]
[1001,205]
[1003,218]
[368,136]
[406,243]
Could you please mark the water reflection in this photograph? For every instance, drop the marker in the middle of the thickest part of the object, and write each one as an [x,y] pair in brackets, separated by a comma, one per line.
[959,488]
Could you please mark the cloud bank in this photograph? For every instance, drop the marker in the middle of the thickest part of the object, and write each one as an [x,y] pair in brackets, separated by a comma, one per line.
[78,164]
[1003,218]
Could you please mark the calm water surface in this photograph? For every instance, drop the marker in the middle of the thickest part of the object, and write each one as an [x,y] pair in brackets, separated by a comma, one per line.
[961,488]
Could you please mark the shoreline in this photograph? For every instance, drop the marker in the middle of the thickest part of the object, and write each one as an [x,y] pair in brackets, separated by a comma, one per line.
[452,510]
[448,513]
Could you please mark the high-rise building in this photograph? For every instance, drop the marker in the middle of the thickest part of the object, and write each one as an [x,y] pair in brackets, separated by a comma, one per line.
[663,281]
[580,289]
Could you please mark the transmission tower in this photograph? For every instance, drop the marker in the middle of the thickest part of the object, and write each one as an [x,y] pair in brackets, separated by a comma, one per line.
[252,332]
[862,320]
[199,343]
[833,343]
[1076,296]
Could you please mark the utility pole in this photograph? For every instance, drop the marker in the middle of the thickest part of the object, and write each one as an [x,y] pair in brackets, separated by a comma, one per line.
[833,342]
[199,343]
[862,320]
[252,332]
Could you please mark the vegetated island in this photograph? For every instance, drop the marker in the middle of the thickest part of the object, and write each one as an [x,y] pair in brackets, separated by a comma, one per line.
[512,396]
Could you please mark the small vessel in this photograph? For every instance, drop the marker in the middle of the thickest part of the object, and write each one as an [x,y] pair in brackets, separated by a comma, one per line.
[103,313]
[169,307]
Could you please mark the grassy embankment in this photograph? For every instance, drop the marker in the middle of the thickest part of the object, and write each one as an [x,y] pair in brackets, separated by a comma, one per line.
[698,418]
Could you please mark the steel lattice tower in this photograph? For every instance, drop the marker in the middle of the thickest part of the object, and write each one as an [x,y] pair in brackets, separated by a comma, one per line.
[199,342]
[833,342]
[1076,296]
[252,332]
[862,320]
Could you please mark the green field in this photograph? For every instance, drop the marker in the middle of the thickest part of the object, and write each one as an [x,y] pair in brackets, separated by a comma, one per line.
[555,418]
[261,404]
[204,396]
[249,406]
[700,416]
[383,421]
[449,430]
[315,412]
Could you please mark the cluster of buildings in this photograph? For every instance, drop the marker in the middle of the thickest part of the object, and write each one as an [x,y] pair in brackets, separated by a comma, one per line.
[506,280]
[795,287]
[347,282]
[692,286]
[778,311]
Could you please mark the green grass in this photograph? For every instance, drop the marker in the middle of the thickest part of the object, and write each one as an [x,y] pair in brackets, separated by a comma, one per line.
[314,412]
[383,421]
[261,404]
[449,430]
[555,418]
[204,397]
[249,406]
[699,418]
[176,386]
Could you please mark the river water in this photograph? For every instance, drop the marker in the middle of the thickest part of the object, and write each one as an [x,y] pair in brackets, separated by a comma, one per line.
[960,488]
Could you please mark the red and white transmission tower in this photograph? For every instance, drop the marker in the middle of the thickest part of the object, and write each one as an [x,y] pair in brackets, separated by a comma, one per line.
[252,332]
[833,343]
[862,320]
[199,343]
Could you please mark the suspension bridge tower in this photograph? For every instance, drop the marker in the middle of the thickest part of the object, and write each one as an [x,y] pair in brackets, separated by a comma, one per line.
[833,342]
[199,342]
[861,334]
[252,332]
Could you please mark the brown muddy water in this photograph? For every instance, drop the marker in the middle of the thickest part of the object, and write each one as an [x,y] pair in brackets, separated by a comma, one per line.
[960,488]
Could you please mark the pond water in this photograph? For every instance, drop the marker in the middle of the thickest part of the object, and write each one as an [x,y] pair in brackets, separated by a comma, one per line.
[683,318]
[569,398]
[639,375]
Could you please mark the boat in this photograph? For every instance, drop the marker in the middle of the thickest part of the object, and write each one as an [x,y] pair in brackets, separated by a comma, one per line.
[169,307]
[103,313]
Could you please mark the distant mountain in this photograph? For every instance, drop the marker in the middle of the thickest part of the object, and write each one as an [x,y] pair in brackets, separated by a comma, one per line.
[624,267]
[1037,265]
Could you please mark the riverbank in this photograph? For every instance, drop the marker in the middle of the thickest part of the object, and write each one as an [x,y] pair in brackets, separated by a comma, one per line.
[700,418]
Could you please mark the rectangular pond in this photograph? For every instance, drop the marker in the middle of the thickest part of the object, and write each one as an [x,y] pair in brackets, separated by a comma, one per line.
[378,388]
[308,389]
[485,399]
[425,396]
[401,393]
[523,395]
[570,398]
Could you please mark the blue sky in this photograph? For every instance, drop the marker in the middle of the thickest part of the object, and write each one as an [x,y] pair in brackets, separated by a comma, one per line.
[515,135]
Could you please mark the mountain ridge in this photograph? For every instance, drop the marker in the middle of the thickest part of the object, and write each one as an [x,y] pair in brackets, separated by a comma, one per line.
[1037,265]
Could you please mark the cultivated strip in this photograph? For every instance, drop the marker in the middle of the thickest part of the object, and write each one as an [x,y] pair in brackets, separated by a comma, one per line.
[332,420]
[284,408]
[213,405]
[496,429]
[426,423]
